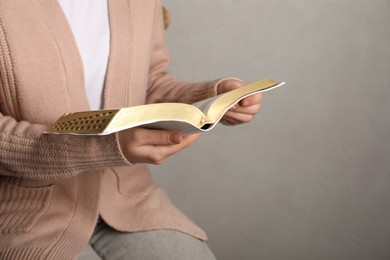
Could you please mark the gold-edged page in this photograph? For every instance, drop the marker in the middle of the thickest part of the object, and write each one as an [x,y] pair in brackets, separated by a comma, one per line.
[92,122]
[223,102]
[204,105]
[170,116]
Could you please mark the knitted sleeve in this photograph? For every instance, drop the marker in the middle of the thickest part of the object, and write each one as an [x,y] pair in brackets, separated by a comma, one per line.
[164,87]
[26,152]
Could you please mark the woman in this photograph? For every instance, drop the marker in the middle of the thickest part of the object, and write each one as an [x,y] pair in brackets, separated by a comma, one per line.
[55,189]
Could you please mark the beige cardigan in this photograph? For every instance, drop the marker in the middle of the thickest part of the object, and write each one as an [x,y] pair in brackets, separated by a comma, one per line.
[53,187]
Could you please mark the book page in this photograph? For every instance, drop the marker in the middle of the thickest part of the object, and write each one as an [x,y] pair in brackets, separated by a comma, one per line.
[215,107]
[204,105]
[218,108]
[183,127]
[172,116]
[157,116]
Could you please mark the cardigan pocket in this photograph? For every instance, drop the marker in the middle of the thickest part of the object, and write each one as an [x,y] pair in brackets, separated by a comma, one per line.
[22,207]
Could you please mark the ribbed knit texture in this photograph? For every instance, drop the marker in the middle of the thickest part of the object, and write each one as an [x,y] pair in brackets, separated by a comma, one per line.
[7,76]
[53,157]
[53,187]
[117,74]
[20,211]
[24,253]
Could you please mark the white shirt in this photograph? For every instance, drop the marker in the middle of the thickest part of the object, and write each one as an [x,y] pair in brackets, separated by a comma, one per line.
[89,22]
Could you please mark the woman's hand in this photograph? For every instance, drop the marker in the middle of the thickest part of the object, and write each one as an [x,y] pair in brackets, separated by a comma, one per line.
[245,110]
[140,145]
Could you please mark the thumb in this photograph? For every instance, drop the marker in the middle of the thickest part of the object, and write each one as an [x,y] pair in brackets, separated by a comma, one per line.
[229,84]
[161,137]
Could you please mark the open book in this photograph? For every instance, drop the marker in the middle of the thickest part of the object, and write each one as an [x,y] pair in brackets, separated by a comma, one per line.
[188,119]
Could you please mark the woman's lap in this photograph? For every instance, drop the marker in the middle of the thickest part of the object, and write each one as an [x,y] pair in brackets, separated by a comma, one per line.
[107,243]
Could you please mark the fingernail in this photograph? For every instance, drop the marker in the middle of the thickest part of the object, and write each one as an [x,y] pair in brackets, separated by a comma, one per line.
[175,138]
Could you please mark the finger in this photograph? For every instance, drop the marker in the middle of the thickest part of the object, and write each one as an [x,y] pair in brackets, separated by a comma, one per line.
[230,122]
[157,154]
[189,139]
[168,150]
[252,110]
[144,137]
[252,100]
[229,85]
[238,117]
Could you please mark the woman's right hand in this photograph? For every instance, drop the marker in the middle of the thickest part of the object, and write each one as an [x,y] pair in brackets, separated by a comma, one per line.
[140,145]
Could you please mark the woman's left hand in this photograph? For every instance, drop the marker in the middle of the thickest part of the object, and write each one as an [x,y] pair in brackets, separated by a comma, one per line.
[245,110]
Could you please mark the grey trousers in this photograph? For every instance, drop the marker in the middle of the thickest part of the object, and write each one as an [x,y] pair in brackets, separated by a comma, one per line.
[107,243]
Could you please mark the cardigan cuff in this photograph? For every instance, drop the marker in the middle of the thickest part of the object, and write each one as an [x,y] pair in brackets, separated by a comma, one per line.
[220,81]
[205,90]
[102,152]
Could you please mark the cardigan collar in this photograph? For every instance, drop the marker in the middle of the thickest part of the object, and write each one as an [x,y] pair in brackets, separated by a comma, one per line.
[117,76]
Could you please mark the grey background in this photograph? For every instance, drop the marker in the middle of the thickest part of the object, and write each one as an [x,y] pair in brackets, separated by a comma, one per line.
[310,177]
